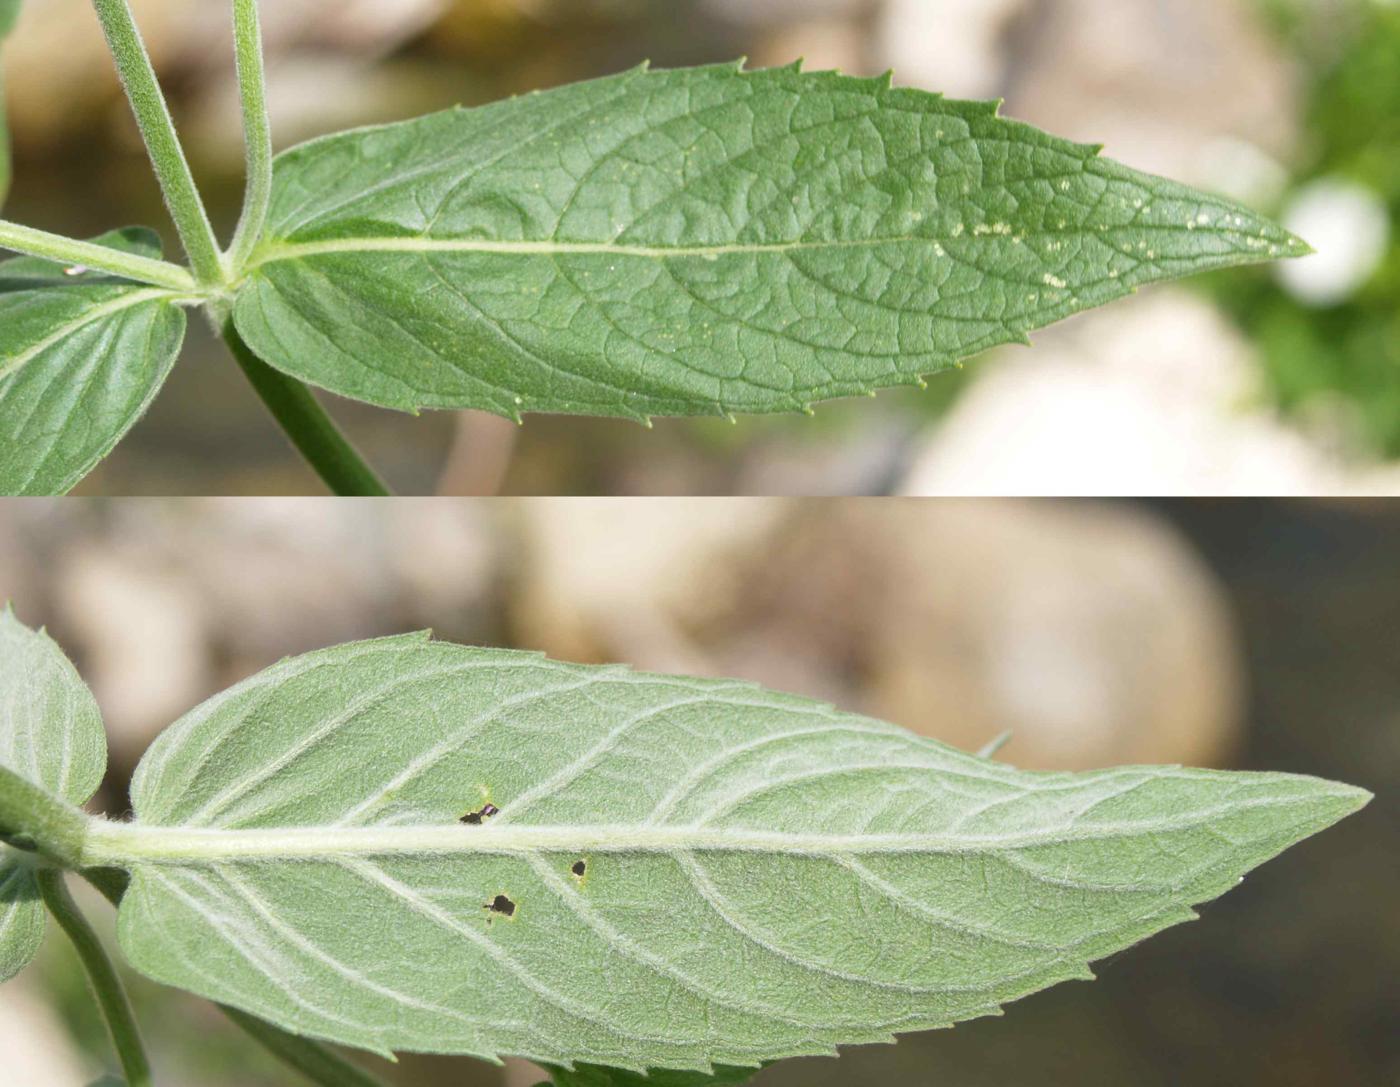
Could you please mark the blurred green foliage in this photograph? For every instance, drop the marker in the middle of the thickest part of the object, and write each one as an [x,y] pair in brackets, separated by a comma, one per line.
[1350,56]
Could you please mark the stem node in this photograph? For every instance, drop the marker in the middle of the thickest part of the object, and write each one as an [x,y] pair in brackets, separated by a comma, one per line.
[34,820]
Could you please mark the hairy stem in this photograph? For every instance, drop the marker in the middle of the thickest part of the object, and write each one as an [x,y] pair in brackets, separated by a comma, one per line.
[307,424]
[34,819]
[6,165]
[257,131]
[55,247]
[9,12]
[138,77]
[102,976]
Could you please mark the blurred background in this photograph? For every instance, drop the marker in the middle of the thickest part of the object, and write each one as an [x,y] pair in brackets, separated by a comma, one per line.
[1257,635]
[1277,381]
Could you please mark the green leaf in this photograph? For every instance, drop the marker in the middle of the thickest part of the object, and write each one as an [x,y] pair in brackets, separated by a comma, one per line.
[700,241]
[51,734]
[406,844]
[21,914]
[586,1075]
[82,355]
[9,15]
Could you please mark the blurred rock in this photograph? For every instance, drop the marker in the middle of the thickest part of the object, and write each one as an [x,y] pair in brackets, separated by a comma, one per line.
[832,44]
[1153,396]
[955,47]
[786,11]
[1089,630]
[1092,632]
[34,1041]
[164,603]
[309,95]
[445,557]
[140,627]
[1160,84]
[60,76]
[1172,88]
[618,579]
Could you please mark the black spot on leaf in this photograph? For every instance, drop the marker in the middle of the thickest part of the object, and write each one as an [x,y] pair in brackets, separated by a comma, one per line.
[502,905]
[579,867]
[474,818]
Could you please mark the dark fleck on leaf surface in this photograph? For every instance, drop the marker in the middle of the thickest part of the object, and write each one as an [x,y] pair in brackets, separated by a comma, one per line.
[502,904]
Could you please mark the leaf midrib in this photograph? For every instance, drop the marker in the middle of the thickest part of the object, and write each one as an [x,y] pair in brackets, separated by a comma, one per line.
[276,252]
[285,251]
[124,844]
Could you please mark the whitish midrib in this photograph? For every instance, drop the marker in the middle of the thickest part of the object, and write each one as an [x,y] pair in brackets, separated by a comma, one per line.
[122,844]
[14,363]
[282,251]
[273,252]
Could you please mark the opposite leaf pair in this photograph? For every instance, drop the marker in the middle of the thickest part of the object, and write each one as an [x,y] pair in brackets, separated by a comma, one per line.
[404,844]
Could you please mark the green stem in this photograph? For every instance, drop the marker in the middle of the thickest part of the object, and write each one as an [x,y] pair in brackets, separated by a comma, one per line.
[9,12]
[34,819]
[257,131]
[315,1062]
[102,976]
[6,162]
[55,247]
[306,423]
[311,1059]
[138,77]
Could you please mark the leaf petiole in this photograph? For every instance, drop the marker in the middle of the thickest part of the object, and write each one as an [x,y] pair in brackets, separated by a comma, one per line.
[257,131]
[102,976]
[307,424]
[138,77]
[87,255]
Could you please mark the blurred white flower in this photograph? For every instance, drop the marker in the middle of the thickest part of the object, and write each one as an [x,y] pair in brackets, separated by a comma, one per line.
[1349,226]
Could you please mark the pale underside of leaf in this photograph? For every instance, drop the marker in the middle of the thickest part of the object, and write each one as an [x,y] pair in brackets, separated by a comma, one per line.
[21,915]
[51,734]
[405,844]
[82,355]
[703,241]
